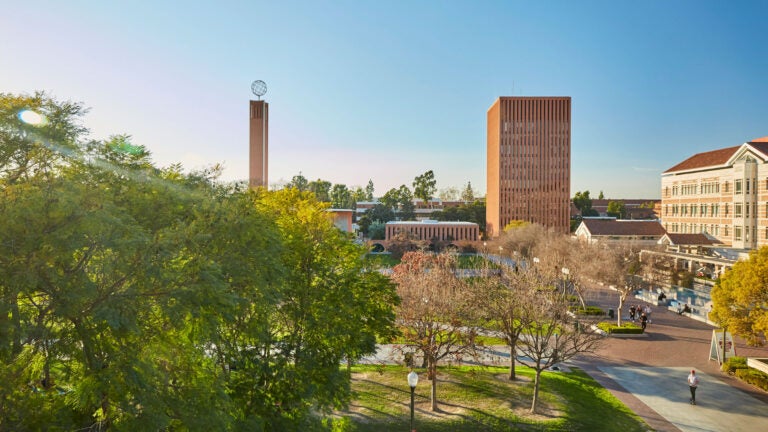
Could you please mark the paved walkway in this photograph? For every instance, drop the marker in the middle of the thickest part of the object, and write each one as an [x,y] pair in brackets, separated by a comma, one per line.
[649,375]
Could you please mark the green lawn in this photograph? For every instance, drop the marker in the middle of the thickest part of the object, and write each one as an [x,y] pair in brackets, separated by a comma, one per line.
[464,261]
[482,399]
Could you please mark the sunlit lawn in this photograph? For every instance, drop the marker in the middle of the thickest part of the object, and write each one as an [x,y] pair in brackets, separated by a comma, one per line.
[467,261]
[482,399]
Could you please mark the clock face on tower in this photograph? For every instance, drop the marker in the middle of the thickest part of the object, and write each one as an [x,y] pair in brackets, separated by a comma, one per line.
[259,88]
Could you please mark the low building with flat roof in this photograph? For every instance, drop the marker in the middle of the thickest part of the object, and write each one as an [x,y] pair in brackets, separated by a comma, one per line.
[432,230]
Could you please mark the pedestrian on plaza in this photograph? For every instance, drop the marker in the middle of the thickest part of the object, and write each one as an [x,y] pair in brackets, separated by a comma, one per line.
[643,321]
[632,313]
[693,382]
[648,312]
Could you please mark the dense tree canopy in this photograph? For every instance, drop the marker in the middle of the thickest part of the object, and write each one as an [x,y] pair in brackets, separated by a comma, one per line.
[425,186]
[140,298]
[740,298]
[583,202]
[616,209]
[473,211]
[299,182]
[468,194]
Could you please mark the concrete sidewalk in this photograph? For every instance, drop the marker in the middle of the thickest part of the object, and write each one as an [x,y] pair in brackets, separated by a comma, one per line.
[649,376]
[719,406]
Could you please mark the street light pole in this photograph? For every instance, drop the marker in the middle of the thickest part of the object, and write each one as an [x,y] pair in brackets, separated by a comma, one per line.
[413,379]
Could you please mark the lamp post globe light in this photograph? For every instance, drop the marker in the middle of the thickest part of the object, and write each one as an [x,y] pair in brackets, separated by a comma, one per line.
[413,379]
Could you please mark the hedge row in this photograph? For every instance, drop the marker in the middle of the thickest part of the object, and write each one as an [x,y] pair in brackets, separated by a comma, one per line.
[589,310]
[627,328]
[738,366]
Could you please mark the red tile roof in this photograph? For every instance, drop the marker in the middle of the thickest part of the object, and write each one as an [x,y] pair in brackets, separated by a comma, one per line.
[612,227]
[717,157]
[691,239]
[701,160]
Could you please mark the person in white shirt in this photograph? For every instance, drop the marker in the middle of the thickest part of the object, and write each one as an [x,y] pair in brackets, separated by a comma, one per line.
[693,382]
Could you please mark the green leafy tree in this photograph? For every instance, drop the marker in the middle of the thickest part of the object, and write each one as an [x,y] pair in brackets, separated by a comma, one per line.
[391,199]
[740,301]
[617,209]
[377,230]
[583,202]
[299,182]
[369,191]
[378,213]
[601,196]
[321,189]
[333,308]
[358,195]
[468,194]
[341,197]
[138,298]
[102,264]
[400,200]
[405,201]
[473,211]
[425,186]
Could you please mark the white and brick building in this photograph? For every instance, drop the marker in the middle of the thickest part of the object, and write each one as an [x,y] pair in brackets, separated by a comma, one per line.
[722,193]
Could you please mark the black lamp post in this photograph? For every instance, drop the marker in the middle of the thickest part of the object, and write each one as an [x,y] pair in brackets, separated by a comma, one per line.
[413,379]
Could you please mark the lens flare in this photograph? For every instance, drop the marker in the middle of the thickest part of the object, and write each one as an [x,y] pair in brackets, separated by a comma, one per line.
[32,118]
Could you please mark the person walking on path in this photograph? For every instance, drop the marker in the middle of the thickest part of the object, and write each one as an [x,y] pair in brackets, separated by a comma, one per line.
[643,321]
[693,382]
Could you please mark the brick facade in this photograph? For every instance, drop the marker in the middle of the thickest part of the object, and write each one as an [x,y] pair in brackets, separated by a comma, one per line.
[529,162]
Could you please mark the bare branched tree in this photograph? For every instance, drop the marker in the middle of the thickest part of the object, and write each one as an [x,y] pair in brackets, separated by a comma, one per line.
[550,334]
[621,269]
[434,310]
[499,300]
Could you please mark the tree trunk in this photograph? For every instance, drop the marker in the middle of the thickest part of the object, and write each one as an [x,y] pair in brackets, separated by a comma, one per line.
[433,391]
[512,353]
[618,312]
[536,383]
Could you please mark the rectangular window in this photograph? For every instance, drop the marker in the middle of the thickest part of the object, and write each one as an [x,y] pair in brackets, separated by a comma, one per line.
[693,209]
[737,210]
[747,189]
[737,187]
[737,233]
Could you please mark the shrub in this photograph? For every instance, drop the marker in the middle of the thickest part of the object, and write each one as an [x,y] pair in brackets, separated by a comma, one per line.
[589,310]
[627,328]
[732,364]
[754,377]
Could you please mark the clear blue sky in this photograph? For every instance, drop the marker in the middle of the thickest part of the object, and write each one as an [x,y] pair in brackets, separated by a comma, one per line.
[386,90]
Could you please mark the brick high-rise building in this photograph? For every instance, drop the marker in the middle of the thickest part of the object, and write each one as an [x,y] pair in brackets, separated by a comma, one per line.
[257,175]
[529,162]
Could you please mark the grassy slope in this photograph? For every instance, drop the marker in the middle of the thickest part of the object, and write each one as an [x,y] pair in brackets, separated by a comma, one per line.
[482,399]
